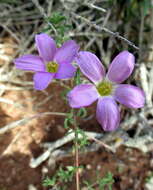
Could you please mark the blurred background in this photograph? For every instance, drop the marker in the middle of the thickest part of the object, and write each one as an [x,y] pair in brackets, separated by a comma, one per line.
[104,27]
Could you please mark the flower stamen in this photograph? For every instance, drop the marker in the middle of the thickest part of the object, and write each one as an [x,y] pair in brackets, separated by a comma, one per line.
[105,88]
[52,67]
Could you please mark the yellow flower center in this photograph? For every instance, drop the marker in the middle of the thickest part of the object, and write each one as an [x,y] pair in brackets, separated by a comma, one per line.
[52,67]
[105,88]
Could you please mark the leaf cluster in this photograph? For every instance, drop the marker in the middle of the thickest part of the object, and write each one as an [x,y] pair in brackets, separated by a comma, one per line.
[106,181]
[61,176]
[59,22]
[82,139]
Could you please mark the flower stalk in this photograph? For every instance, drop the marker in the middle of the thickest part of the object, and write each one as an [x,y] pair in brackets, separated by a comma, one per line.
[77,178]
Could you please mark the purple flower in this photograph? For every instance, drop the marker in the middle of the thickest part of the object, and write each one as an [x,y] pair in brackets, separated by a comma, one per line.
[52,62]
[106,88]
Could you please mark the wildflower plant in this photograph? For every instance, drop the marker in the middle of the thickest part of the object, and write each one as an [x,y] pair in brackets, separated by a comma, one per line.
[106,88]
[54,62]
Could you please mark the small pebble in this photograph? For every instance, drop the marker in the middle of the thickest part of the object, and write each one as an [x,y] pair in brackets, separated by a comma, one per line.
[44,170]
[98,167]
[88,166]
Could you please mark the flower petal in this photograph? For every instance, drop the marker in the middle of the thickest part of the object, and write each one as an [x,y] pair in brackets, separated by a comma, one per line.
[42,80]
[66,70]
[108,113]
[82,95]
[90,66]
[121,67]
[130,96]
[46,46]
[30,62]
[67,52]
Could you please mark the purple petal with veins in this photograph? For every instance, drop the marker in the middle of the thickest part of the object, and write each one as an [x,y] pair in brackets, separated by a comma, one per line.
[90,66]
[130,96]
[82,95]
[46,46]
[67,52]
[121,67]
[30,62]
[108,113]
[42,80]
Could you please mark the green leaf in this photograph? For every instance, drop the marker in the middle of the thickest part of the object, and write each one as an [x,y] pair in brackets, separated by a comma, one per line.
[89,185]
[77,78]
[56,18]
[82,113]
[67,174]
[83,140]
[107,180]
[49,181]
[68,120]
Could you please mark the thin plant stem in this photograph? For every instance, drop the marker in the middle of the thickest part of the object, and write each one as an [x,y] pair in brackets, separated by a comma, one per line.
[77,162]
[76,153]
